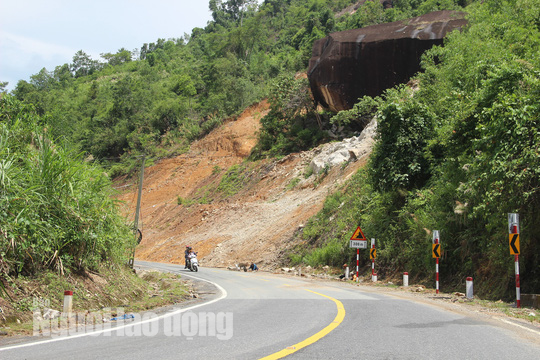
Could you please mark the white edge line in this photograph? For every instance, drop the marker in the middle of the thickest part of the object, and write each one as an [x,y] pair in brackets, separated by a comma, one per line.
[95,333]
[521,326]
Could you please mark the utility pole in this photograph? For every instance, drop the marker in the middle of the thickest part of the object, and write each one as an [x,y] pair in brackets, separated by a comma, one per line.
[137,212]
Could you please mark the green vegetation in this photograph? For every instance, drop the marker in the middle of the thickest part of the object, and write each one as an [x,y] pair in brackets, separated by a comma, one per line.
[293,183]
[56,209]
[114,288]
[157,100]
[292,123]
[457,155]
[230,184]
[235,178]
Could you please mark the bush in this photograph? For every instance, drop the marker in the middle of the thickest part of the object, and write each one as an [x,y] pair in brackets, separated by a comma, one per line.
[56,211]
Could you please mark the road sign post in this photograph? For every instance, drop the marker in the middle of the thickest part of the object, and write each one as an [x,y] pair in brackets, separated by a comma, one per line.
[513,229]
[372,256]
[357,263]
[436,253]
[358,241]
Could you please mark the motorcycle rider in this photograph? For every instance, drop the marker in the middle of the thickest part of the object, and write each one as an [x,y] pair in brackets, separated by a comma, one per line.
[186,255]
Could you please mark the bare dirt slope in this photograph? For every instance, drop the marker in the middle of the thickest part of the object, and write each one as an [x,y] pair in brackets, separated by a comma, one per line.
[256,224]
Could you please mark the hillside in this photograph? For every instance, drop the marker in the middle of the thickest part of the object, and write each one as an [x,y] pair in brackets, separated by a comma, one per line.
[256,224]
[456,152]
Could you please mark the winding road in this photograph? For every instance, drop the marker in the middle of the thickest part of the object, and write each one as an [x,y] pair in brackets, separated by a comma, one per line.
[258,315]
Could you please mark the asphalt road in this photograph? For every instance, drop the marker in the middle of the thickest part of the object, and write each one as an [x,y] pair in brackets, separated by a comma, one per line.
[260,315]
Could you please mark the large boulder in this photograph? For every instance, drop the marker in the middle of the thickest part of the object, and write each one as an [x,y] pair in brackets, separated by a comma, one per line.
[347,65]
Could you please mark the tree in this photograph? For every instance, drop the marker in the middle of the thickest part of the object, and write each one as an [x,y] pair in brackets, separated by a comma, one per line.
[184,86]
[3,85]
[143,51]
[42,80]
[27,92]
[62,75]
[121,57]
[399,158]
[83,64]
[289,125]
[370,13]
[230,11]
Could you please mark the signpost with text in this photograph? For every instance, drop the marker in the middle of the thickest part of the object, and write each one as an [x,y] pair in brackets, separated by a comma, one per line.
[358,241]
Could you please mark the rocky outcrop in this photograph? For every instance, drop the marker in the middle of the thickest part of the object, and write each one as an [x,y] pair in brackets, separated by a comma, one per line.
[350,149]
[349,64]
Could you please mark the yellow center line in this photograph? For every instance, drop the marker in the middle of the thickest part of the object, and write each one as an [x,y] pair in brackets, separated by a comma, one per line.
[314,338]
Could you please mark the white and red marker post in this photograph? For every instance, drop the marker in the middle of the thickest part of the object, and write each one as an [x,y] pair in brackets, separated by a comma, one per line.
[357,262]
[513,228]
[436,241]
[68,302]
[469,293]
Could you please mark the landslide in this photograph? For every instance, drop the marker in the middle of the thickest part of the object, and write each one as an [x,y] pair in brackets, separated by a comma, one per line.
[180,203]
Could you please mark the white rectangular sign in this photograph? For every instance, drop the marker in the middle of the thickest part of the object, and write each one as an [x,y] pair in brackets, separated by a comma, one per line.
[360,244]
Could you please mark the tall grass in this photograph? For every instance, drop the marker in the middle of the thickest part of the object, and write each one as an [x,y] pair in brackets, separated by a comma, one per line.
[56,211]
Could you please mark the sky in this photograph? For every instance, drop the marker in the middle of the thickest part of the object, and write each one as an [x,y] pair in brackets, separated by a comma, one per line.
[36,34]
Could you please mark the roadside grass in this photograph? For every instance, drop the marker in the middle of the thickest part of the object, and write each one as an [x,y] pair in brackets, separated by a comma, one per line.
[111,289]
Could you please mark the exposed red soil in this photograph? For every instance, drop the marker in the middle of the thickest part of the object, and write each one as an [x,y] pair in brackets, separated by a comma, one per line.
[256,224]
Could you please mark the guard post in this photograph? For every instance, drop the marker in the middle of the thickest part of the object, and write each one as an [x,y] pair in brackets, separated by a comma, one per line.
[372,256]
[436,253]
[513,242]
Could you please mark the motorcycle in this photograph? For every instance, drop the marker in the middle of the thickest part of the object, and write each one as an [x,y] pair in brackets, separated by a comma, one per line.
[193,262]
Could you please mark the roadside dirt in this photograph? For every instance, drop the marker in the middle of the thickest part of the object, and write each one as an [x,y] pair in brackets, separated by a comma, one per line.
[256,224]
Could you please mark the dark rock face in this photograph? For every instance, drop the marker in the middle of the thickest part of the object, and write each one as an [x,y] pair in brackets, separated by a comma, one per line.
[349,64]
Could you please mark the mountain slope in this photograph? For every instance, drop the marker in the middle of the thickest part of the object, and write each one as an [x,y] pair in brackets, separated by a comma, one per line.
[274,199]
